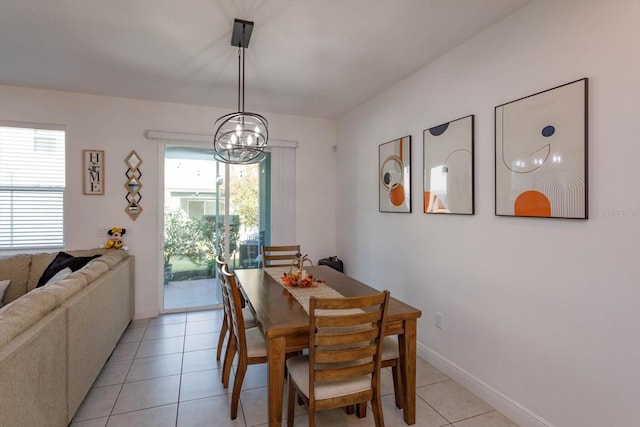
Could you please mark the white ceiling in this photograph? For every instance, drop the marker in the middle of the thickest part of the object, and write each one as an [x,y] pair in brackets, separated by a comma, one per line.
[316,58]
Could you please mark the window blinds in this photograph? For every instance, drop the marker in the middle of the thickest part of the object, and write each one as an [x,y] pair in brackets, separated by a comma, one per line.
[32,183]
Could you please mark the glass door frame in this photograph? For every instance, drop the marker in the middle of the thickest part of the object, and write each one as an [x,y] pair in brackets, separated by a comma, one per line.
[264,212]
[161,207]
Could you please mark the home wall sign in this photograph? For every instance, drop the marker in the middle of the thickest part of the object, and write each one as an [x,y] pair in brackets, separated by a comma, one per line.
[93,172]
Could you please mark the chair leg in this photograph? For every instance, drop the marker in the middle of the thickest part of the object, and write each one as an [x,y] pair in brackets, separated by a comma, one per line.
[361,409]
[397,385]
[223,333]
[376,407]
[228,361]
[291,403]
[312,417]
[237,387]
[350,410]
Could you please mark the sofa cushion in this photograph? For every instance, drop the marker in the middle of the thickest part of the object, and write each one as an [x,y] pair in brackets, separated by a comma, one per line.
[40,261]
[59,275]
[60,262]
[114,257]
[88,252]
[64,289]
[24,312]
[94,269]
[16,269]
[4,284]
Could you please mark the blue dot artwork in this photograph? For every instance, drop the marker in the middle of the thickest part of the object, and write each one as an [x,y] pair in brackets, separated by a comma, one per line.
[547,131]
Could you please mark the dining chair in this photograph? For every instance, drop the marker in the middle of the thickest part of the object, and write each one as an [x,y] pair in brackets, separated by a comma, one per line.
[279,255]
[249,343]
[390,358]
[345,356]
[226,330]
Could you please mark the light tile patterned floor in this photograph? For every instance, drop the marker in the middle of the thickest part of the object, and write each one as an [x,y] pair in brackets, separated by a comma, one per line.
[164,373]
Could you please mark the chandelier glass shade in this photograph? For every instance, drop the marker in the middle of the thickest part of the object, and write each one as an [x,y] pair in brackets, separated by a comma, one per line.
[241,137]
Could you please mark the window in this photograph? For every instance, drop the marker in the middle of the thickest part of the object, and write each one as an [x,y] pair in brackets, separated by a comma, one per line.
[32,182]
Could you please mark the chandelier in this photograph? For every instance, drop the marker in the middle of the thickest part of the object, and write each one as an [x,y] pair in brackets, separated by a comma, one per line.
[240,137]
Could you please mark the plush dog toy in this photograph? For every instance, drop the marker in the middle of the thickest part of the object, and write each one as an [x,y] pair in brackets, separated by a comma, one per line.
[115,241]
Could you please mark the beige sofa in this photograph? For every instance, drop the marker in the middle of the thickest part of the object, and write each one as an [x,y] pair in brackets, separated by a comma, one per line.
[54,340]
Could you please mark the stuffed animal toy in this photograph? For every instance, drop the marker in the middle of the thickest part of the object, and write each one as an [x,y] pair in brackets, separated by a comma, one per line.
[115,241]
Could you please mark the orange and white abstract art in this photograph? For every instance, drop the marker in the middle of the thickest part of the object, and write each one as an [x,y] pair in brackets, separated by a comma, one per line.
[395,175]
[541,154]
[448,168]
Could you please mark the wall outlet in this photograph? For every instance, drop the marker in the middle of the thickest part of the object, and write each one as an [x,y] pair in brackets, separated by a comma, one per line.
[438,320]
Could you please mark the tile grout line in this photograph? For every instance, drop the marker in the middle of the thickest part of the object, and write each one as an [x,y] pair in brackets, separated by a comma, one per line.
[126,375]
[431,406]
[181,373]
[477,415]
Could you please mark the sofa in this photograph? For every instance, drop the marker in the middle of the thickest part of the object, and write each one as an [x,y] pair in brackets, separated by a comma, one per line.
[55,339]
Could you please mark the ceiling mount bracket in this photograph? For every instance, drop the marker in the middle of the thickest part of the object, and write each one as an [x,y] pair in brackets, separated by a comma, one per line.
[237,37]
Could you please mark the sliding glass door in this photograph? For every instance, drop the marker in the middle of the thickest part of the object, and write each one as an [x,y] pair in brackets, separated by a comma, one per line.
[210,209]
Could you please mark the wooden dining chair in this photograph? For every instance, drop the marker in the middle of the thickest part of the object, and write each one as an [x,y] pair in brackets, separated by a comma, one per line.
[390,359]
[279,255]
[226,331]
[345,356]
[249,343]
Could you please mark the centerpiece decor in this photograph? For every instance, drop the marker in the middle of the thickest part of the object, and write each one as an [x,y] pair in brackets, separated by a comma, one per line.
[297,275]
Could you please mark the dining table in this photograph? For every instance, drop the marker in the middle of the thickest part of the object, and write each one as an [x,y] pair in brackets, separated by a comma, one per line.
[285,324]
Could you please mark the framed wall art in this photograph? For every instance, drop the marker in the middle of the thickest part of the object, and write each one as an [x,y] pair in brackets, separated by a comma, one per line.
[541,154]
[93,172]
[448,168]
[395,175]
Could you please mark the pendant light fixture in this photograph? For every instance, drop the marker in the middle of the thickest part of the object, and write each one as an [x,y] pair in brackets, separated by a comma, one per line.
[241,137]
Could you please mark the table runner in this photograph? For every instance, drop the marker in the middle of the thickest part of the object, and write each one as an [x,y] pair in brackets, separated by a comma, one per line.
[302,295]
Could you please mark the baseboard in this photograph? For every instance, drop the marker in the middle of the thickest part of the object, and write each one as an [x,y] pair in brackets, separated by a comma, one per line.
[512,409]
[146,312]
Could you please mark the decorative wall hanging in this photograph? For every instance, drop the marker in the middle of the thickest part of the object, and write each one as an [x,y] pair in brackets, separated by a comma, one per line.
[133,185]
[395,175]
[93,172]
[541,154]
[448,167]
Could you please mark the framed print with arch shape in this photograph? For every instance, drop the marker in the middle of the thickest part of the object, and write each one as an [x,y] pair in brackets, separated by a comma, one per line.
[448,168]
[394,175]
[541,154]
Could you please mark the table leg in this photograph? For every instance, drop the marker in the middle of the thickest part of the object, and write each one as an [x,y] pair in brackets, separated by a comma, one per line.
[275,354]
[407,344]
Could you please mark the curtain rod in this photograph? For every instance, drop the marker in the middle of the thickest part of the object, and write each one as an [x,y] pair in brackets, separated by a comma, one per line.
[199,137]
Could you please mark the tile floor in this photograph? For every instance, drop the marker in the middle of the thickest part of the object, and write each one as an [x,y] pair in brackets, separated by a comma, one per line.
[192,293]
[164,373]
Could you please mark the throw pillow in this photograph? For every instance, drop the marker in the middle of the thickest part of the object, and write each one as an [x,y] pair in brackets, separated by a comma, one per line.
[59,275]
[62,261]
[4,284]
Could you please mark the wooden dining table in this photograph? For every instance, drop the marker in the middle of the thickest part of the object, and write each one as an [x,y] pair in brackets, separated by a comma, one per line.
[286,326]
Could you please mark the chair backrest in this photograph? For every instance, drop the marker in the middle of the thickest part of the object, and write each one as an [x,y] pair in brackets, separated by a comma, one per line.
[225,295]
[345,338]
[279,255]
[236,320]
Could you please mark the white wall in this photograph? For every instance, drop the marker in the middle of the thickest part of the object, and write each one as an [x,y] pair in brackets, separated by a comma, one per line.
[117,126]
[540,316]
